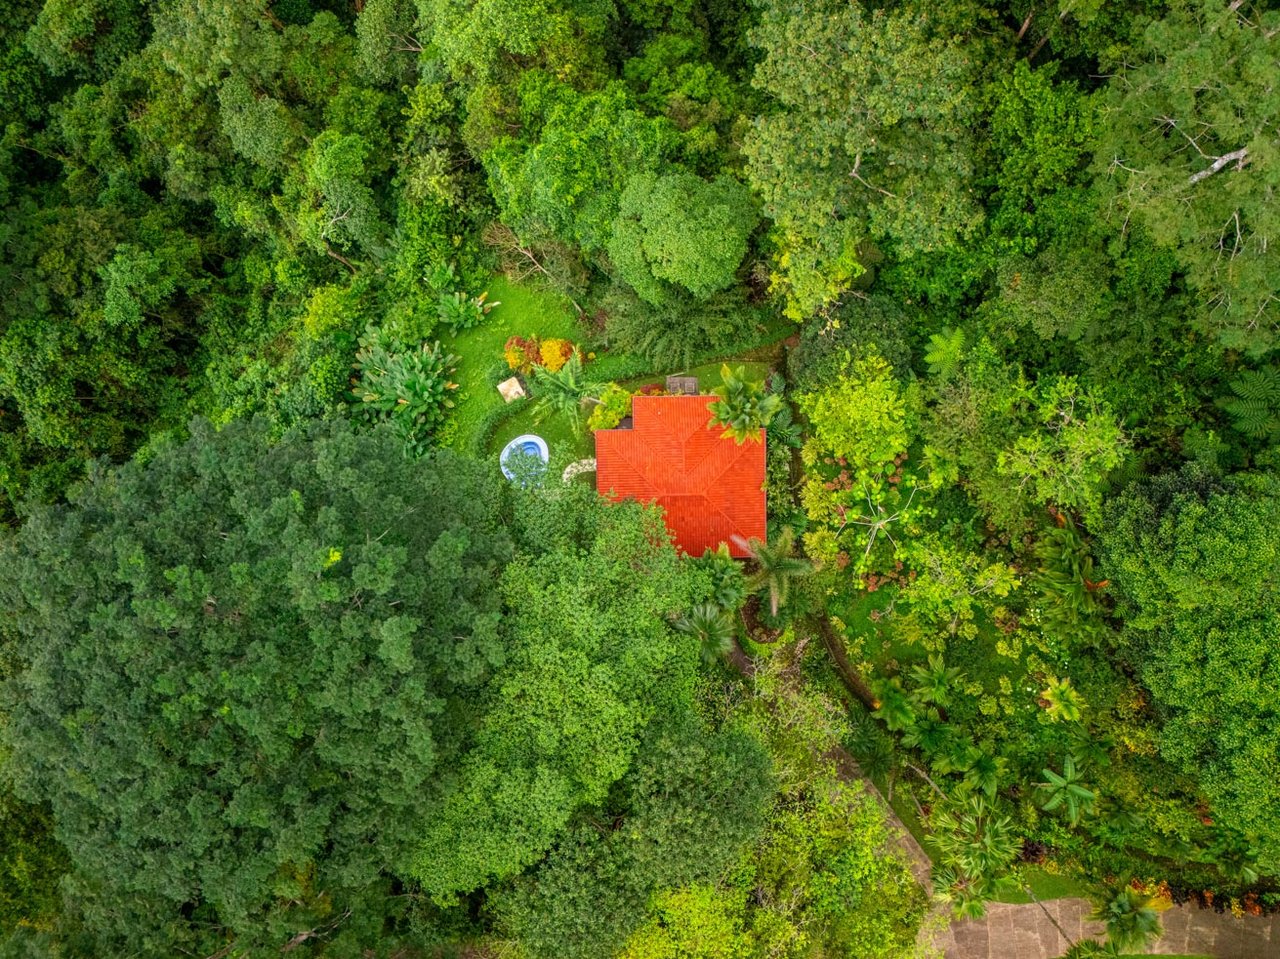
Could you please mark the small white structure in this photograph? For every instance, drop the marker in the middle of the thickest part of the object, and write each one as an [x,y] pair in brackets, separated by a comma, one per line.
[512,389]
[526,445]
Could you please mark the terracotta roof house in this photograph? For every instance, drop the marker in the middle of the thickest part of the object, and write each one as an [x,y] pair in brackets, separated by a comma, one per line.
[711,489]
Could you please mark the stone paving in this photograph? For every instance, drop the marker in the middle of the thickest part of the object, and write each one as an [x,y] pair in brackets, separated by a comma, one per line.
[1025,932]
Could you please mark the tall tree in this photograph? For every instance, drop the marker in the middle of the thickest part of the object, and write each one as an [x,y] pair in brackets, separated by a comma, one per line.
[240,664]
[871,140]
[1193,560]
[1187,148]
[681,235]
[591,659]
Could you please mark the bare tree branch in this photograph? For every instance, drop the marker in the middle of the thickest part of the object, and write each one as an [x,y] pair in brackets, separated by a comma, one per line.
[857,164]
[1237,155]
[1026,25]
[339,257]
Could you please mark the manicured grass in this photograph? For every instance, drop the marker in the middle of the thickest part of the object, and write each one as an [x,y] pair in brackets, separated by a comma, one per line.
[1048,885]
[708,375]
[524,311]
[559,434]
[562,442]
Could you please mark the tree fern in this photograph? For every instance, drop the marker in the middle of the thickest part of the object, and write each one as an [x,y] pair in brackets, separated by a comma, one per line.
[1254,407]
[945,351]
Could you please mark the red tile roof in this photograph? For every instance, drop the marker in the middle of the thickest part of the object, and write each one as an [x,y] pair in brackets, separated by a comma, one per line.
[711,489]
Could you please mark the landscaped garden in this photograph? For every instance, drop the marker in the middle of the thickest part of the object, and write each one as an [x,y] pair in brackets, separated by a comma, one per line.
[522,311]
[972,527]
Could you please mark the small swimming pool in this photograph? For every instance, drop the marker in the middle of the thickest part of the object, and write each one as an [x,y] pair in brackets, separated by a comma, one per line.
[526,445]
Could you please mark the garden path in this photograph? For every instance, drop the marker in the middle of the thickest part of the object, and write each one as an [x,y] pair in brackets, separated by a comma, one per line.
[1025,932]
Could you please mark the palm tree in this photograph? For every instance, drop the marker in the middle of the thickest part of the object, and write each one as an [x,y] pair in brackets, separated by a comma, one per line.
[1064,790]
[776,566]
[1062,701]
[977,846]
[711,626]
[1131,917]
[929,734]
[985,774]
[933,683]
[744,408]
[563,391]
[896,710]
[957,755]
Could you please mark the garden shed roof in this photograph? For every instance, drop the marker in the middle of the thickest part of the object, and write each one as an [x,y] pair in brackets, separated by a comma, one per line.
[711,489]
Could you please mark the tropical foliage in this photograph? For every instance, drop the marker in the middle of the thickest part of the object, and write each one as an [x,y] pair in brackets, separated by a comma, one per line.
[280,674]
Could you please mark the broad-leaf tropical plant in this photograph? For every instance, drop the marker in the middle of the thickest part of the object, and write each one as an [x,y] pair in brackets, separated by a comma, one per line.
[1063,702]
[896,709]
[1066,580]
[1064,791]
[933,683]
[563,391]
[410,387]
[744,408]
[985,774]
[728,585]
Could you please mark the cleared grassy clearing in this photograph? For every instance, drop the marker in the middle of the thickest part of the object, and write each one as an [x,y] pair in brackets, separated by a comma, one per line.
[524,311]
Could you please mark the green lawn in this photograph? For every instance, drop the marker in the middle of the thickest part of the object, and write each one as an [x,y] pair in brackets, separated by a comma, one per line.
[524,311]
[708,374]
[1048,885]
[560,436]
[562,442]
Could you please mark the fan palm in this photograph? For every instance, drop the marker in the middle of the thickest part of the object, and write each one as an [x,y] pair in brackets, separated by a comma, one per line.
[976,848]
[711,626]
[1131,918]
[776,566]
